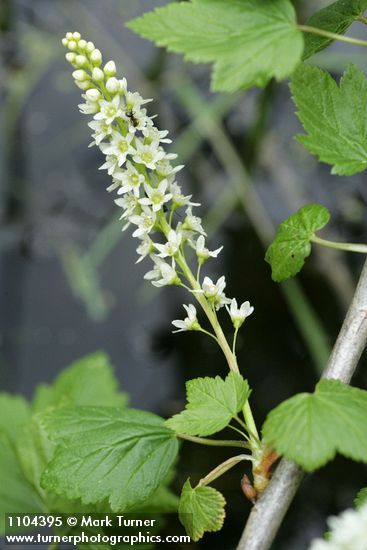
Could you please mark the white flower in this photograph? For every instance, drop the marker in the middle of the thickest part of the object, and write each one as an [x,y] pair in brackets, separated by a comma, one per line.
[156,196]
[109,110]
[129,203]
[214,291]
[348,531]
[119,146]
[148,155]
[193,223]
[189,323]
[162,274]
[153,135]
[111,162]
[145,248]
[178,198]
[101,131]
[145,222]
[164,168]
[130,179]
[239,314]
[91,105]
[134,101]
[171,246]
[202,252]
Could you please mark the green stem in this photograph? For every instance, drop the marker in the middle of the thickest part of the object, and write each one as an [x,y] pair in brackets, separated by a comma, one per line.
[214,442]
[362,19]
[222,469]
[349,247]
[234,341]
[208,333]
[222,341]
[332,35]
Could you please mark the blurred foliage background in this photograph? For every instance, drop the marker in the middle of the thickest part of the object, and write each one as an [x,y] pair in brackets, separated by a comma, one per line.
[68,277]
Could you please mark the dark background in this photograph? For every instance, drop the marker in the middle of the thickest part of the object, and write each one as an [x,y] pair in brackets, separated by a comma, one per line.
[69,284]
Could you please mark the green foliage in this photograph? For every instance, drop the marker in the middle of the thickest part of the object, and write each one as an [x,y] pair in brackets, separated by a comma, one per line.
[311,428]
[16,494]
[88,381]
[248,42]
[292,243]
[211,404]
[335,18]
[361,498]
[26,449]
[124,454]
[201,509]
[335,118]
[15,412]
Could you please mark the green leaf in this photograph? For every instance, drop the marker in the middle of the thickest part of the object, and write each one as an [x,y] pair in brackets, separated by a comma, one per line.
[16,494]
[361,498]
[292,243]
[311,428]
[14,413]
[122,455]
[335,18]
[34,450]
[248,42]
[88,381]
[201,509]
[212,403]
[335,118]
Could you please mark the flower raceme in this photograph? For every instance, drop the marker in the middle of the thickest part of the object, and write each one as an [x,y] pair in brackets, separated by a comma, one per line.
[145,181]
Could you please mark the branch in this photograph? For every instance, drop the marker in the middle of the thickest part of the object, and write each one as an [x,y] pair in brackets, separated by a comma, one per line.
[269,511]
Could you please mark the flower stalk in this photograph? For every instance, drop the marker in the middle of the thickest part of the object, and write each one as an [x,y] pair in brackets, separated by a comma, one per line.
[144,180]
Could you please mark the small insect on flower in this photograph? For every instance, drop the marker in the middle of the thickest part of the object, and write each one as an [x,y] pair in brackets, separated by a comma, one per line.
[131,115]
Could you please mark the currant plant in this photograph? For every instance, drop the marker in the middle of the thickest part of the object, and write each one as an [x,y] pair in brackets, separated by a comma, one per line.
[70,456]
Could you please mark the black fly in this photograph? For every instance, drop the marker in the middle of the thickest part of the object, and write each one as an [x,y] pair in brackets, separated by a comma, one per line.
[131,116]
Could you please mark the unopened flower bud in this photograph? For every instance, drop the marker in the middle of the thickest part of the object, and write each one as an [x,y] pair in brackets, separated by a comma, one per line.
[85,85]
[69,35]
[64,41]
[96,57]
[110,68]
[72,45]
[76,36]
[93,94]
[70,56]
[80,60]
[113,85]
[80,75]
[97,74]
[90,47]
[82,44]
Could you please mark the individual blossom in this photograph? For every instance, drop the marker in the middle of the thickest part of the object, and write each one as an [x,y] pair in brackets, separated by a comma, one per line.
[202,252]
[145,222]
[145,248]
[119,146]
[214,291]
[156,197]
[129,204]
[109,110]
[129,180]
[239,314]
[171,247]
[101,130]
[348,531]
[189,323]
[192,223]
[148,154]
[178,198]
[162,274]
